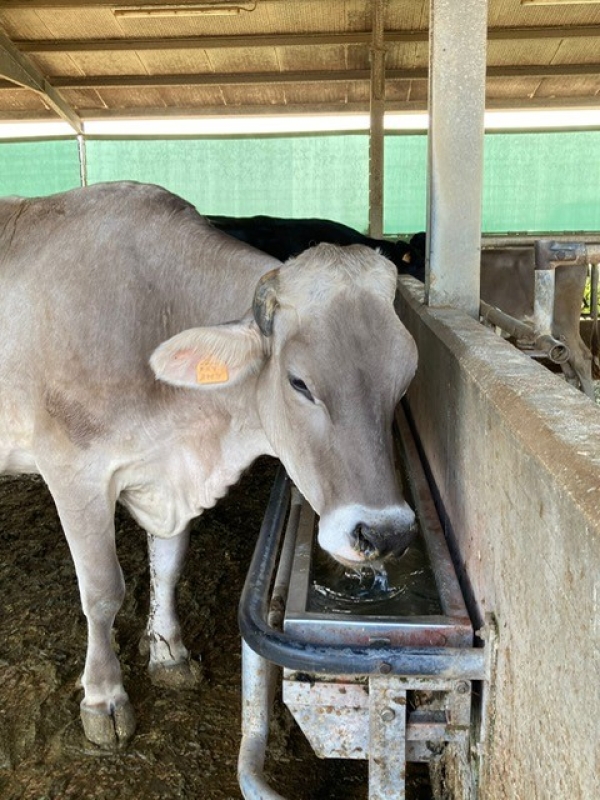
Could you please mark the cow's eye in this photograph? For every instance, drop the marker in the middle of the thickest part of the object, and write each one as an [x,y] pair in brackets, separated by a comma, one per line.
[299,386]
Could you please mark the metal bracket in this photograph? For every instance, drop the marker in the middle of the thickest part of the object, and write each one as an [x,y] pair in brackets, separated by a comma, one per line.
[18,69]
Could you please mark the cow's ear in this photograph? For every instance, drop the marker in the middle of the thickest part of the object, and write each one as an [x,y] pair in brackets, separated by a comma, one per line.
[205,358]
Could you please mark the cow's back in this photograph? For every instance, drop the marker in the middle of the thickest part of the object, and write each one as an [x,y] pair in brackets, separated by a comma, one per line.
[91,281]
[103,275]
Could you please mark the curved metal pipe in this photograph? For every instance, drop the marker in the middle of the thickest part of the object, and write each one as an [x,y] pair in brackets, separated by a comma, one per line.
[557,351]
[258,688]
[554,349]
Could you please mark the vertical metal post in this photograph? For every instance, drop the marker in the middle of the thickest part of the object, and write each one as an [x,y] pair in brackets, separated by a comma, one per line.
[258,688]
[457,53]
[377,109]
[543,301]
[82,160]
[387,739]
[459,750]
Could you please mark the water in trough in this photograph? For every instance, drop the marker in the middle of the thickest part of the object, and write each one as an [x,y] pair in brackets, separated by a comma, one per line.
[403,587]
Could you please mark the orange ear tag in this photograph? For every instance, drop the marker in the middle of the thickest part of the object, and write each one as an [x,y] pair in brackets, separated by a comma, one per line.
[209,370]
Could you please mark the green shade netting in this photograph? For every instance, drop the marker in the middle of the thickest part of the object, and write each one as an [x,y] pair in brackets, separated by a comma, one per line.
[35,168]
[296,176]
[537,182]
[542,181]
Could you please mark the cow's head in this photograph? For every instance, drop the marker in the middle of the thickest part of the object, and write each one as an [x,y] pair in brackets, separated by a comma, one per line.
[328,360]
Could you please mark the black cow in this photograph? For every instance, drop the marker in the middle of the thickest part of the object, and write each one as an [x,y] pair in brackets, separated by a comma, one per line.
[284,238]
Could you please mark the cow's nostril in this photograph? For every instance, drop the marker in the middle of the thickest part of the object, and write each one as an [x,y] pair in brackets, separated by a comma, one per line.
[363,541]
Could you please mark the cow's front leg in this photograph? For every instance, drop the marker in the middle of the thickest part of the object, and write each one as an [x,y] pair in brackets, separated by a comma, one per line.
[106,713]
[170,663]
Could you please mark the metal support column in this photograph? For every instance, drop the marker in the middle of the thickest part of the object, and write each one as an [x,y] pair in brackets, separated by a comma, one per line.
[457,56]
[377,109]
[82,160]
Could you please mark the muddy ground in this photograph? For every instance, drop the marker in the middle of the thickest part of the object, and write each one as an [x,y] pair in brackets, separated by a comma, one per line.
[186,744]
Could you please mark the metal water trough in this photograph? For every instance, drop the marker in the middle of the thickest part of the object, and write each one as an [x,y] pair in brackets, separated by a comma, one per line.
[389,689]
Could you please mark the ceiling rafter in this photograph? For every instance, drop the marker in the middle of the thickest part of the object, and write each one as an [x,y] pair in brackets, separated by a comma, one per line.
[18,69]
[284,40]
[212,42]
[305,76]
[353,107]
[81,4]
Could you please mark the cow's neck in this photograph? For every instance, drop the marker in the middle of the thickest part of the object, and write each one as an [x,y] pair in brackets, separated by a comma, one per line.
[191,466]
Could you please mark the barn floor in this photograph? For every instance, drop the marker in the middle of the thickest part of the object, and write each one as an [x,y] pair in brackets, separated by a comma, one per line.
[187,743]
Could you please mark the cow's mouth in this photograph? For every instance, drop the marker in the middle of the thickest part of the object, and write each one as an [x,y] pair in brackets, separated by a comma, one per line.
[356,536]
[373,562]
[374,546]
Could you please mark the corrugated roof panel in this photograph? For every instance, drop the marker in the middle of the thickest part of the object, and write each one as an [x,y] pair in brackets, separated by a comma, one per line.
[163,27]
[304,16]
[15,103]
[418,93]
[409,15]
[359,92]
[578,51]
[312,58]
[579,88]
[176,62]
[522,51]
[124,99]
[110,63]
[23,24]
[398,91]
[310,93]
[56,64]
[357,56]
[407,55]
[75,23]
[509,91]
[263,59]
[84,99]
[192,97]
[511,13]
[271,95]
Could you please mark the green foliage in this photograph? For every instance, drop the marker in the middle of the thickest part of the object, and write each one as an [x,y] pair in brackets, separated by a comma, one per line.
[586,310]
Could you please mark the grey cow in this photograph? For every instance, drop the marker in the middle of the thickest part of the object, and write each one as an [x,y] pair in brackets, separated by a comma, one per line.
[111,391]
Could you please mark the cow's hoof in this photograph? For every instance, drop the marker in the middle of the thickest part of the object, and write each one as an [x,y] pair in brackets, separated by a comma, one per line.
[182,675]
[109,731]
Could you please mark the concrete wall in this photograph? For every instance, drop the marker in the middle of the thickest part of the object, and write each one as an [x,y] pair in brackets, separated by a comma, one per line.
[515,455]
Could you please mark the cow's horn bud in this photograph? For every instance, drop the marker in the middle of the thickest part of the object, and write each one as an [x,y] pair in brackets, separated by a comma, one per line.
[265,301]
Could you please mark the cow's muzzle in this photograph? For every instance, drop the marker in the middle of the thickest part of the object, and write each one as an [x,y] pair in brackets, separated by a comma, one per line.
[375,545]
[356,535]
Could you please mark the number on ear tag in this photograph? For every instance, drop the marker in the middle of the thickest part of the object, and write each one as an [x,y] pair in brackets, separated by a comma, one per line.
[209,370]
